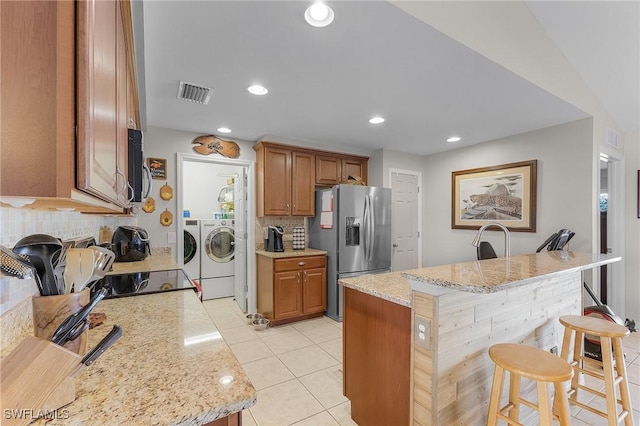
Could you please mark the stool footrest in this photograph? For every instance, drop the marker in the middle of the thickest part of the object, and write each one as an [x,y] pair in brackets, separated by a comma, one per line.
[509,420]
[623,414]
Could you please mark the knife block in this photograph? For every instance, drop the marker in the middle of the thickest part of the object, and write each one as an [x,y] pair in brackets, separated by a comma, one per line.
[50,311]
[36,379]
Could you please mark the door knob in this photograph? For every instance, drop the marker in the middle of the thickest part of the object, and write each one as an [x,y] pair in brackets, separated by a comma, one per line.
[395,245]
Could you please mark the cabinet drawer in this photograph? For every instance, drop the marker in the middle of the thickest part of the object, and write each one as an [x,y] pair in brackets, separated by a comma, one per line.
[296,263]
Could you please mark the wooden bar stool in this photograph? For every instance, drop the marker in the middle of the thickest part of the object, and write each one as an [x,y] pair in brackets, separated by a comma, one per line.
[613,372]
[534,364]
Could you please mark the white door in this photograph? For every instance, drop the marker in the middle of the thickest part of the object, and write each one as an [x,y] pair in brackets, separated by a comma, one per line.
[240,217]
[405,228]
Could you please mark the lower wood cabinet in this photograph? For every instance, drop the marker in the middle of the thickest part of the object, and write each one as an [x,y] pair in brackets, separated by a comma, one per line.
[291,288]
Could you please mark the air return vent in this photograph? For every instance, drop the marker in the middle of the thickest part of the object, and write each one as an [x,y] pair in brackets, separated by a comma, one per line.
[194,93]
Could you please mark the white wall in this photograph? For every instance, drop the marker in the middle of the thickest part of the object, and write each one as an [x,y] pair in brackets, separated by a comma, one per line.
[632,227]
[563,191]
[165,143]
[202,183]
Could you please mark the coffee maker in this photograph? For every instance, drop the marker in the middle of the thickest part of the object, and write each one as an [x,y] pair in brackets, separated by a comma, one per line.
[273,238]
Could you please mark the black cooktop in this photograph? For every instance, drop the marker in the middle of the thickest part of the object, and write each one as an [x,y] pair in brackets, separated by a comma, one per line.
[134,284]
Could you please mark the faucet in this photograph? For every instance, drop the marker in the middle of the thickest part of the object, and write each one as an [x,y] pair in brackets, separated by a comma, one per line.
[507,238]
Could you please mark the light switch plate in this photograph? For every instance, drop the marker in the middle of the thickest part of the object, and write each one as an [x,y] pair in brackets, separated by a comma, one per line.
[171,237]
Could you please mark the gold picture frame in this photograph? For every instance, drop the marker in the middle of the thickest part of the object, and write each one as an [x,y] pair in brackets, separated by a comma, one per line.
[505,194]
[158,167]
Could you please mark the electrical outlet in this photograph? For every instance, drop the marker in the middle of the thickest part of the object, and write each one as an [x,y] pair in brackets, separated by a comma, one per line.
[422,332]
[554,350]
[171,237]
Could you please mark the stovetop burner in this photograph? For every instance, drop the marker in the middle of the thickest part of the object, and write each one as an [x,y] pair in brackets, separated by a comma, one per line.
[134,284]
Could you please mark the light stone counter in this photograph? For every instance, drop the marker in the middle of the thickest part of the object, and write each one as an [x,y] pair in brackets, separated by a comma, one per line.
[391,286]
[151,263]
[171,366]
[492,275]
[290,253]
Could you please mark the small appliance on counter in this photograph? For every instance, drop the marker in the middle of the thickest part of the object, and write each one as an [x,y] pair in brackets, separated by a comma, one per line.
[130,244]
[273,238]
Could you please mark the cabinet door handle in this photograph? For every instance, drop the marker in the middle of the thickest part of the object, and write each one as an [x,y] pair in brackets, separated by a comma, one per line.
[298,275]
[301,263]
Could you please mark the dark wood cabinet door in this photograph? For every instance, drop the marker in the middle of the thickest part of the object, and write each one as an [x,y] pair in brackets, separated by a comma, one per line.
[303,177]
[355,168]
[122,168]
[277,182]
[287,295]
[314,290]
[328,170]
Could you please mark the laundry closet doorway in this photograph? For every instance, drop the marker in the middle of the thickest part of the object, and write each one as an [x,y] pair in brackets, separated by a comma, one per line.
[214,199]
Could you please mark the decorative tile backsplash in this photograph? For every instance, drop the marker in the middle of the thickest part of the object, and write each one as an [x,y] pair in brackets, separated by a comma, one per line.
[287,223]
[16,224]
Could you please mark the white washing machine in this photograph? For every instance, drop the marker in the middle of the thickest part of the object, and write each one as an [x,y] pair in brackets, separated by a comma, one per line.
[217,252]
[192,246]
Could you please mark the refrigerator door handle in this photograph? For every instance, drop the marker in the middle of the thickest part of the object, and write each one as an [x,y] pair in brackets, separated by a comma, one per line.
[365,219]
[372,227]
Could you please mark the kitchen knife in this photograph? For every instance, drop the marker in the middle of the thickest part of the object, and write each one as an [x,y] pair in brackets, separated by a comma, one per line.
[105,343]
[71,322]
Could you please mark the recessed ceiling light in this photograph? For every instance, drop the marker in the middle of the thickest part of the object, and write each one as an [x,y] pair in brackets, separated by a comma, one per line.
[318,15]
[224,130]
[376,120]
[454,139]
[256,89]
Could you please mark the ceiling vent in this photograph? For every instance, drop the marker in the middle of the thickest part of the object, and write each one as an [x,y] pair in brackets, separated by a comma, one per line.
[194,93]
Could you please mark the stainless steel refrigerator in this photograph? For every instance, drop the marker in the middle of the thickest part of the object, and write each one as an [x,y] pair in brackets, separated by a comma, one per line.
[353,224]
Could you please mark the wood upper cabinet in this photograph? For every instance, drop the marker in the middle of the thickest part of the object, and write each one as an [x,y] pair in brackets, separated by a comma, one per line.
[57,75]
[335,169]
[285,181]
[102,100]
[292,288]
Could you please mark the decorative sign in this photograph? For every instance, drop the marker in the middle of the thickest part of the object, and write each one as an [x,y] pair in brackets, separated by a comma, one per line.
[210,144]
[505,194]
[149,205]
[158,167]
[166,218]
[166,192]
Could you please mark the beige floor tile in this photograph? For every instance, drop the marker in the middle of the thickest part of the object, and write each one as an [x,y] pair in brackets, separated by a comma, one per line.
[247,418]
[322,332]
[284,404]
[287,341]
[217,311]
[252,350]
[272,331]
[333,348]
[230,322]
[307,360]
[320,419]
[326,386]
[267,372]
[633,373]
[342,414]
[308,323]
[239,334]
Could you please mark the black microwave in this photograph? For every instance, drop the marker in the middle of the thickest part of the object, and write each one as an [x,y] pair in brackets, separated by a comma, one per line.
[138,170]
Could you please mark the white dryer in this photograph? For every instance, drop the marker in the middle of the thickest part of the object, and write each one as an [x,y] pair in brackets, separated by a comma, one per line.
[217,253]
[192,246]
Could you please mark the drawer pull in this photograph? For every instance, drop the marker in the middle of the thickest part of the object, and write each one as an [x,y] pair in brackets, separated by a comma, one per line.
[301,263]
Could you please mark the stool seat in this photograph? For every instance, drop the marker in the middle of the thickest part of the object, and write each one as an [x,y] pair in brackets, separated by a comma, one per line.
[594,326]
[533,364]
[613,374]
[530,362]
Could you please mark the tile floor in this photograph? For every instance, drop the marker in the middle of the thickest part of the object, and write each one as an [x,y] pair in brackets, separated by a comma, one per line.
[297,370]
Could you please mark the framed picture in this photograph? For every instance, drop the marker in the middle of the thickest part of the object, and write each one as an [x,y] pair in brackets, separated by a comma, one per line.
[158,167]
[505,194]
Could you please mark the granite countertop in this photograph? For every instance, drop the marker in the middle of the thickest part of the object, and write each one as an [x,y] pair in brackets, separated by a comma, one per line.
[151,263]
[171,366]
[492,275]
[391,286]
[290,253]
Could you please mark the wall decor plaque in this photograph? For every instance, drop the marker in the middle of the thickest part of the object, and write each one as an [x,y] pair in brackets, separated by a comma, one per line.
[505,194]
[158,167]
[166,192]
[210,144]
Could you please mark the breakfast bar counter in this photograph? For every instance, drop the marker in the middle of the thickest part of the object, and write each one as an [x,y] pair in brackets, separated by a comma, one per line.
[171,366]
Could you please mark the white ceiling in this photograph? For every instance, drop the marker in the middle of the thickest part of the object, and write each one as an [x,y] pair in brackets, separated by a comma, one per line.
[325,83]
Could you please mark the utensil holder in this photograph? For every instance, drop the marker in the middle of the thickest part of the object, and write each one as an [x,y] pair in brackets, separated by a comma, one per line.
[38,379]
[50,311]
